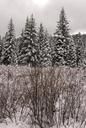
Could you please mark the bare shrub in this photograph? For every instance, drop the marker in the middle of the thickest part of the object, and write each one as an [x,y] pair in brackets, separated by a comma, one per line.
[43,97]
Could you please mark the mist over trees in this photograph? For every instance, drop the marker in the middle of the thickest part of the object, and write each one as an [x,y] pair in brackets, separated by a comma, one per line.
[36,47]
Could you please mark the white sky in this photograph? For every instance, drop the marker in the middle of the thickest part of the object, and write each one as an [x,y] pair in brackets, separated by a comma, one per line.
[48,15]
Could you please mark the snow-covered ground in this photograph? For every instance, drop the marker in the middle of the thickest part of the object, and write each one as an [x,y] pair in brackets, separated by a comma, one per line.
[14,125]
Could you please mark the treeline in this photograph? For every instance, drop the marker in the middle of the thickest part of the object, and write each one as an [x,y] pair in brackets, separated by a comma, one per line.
[36,48]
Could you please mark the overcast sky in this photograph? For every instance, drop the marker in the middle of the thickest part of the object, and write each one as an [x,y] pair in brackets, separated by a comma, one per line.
[48,15]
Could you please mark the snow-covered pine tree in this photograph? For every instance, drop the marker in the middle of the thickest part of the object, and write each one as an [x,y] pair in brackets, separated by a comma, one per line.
[79,50]
[21,46]
[15,52]
[43,47]
[58,52]
[52,46]
[8,45]
[28,52]
[62,41]
[47,50]
[33,47]
[40,44]
[71,57]
[62,25]
[1,46]
[22,34]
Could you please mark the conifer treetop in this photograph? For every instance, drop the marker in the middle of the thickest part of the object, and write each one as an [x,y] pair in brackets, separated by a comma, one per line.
[11,29]
[62,25]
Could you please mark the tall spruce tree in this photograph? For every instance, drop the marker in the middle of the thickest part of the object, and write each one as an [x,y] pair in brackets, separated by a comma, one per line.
[8,45]
[21,43]
[63,42]
[28,52]
[43,47]
[1,47]
[53,53]
[40,44]
[16,51]
[58,52]
[62,25]
[79,50]
[47,50]
[71,57]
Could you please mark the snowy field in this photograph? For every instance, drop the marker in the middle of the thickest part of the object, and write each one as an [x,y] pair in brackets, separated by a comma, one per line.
[15,83]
